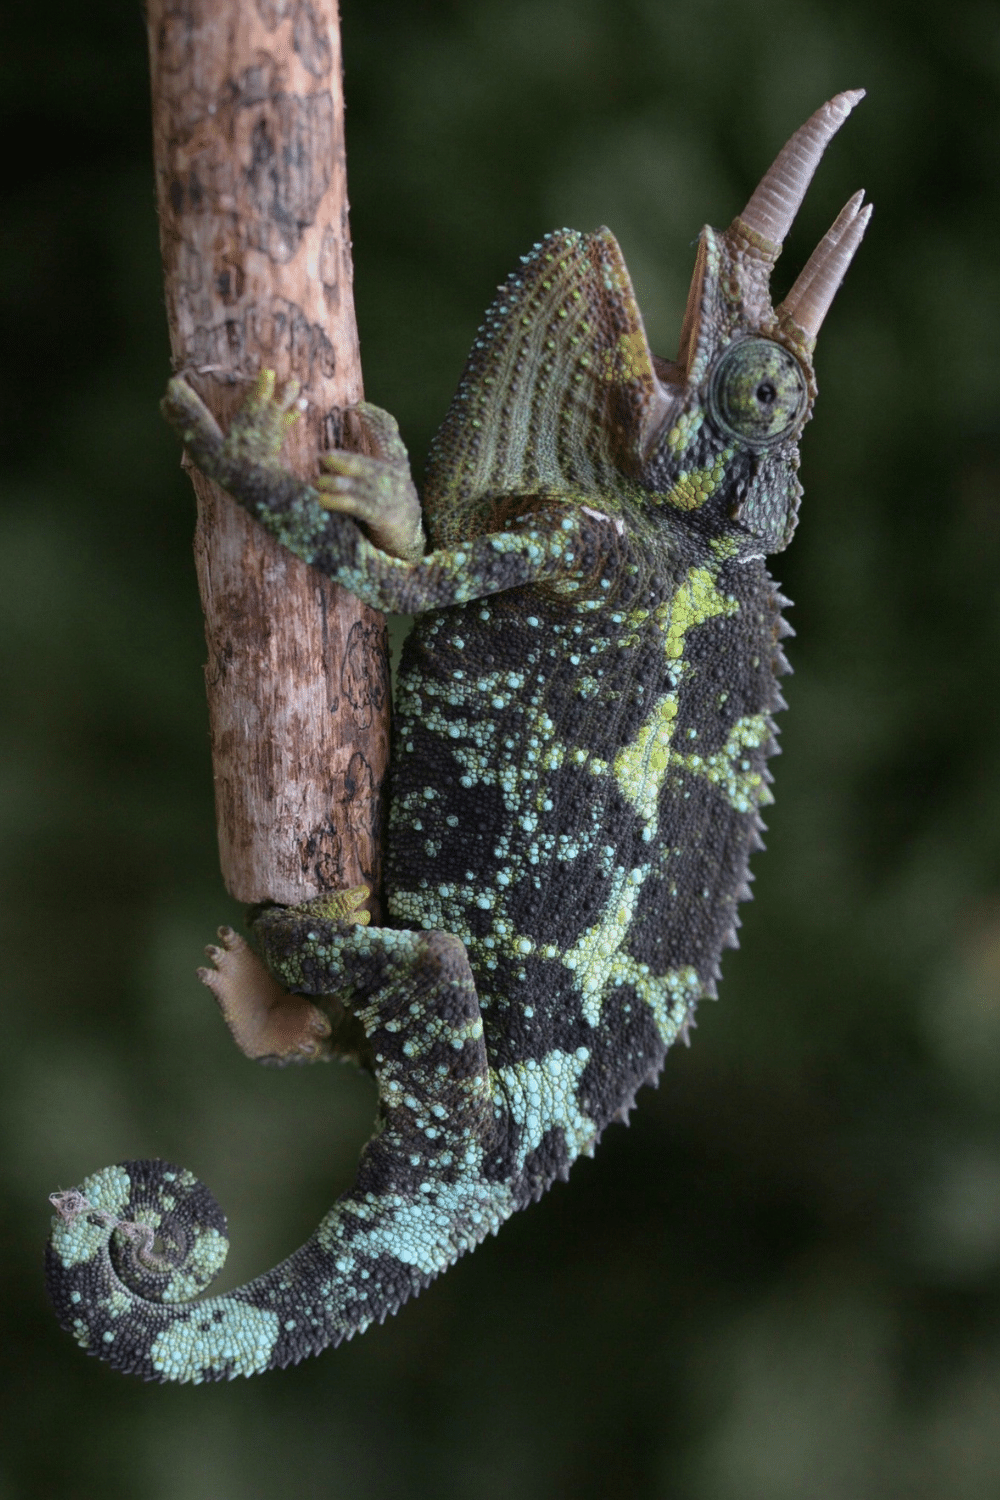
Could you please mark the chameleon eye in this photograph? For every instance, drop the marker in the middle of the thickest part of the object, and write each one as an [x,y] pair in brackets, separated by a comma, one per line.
[757,392]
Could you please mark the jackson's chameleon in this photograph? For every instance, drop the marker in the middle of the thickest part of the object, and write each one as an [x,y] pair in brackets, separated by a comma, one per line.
[581,734]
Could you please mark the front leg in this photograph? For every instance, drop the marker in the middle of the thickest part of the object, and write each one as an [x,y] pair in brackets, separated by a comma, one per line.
[562,540]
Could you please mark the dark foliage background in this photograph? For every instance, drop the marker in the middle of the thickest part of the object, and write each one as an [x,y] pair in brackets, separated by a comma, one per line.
[784,1280]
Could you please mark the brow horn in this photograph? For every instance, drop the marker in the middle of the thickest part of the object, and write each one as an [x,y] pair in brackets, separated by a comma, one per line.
[777,199]
[808,302]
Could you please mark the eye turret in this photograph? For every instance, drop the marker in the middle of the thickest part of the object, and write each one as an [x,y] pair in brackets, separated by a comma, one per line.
[757,393]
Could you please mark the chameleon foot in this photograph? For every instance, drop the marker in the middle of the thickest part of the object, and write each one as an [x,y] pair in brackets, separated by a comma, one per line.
[256,432]
[377,490]
[265,1021]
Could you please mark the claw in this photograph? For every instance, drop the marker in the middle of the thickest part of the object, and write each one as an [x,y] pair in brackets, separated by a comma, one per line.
[380,434]
[262,394]
[354,465]
[289,402]
[256,433]
[377,491]
[262,389]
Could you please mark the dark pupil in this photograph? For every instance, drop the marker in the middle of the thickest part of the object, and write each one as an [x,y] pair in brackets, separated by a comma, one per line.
[766,393]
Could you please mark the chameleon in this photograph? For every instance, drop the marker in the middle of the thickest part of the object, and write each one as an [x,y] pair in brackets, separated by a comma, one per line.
[581,732]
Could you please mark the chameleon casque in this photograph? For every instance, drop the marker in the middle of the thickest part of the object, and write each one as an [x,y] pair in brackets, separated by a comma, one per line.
[582,726]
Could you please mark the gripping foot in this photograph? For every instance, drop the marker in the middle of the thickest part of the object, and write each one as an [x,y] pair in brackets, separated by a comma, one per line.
[264,1020]
[376,489]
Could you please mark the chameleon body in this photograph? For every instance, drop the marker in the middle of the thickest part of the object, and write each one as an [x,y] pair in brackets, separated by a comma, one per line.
[582,727]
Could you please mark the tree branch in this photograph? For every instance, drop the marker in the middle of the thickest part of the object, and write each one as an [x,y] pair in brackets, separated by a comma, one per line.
[251,186]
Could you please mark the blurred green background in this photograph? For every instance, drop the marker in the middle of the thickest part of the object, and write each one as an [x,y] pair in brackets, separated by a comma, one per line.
[784,1280]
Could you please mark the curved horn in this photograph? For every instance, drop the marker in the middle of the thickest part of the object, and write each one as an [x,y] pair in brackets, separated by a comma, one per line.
[808,302]
[776,201]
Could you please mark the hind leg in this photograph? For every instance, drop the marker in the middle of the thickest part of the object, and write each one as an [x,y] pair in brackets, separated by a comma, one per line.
[431,1181]
[415,996]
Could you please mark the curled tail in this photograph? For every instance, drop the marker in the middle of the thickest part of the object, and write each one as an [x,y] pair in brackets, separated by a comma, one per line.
[135,1243]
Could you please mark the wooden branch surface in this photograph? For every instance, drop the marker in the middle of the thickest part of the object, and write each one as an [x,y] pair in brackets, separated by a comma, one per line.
[252,194]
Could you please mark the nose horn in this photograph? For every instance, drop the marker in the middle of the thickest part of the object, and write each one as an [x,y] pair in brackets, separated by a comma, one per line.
[778,197]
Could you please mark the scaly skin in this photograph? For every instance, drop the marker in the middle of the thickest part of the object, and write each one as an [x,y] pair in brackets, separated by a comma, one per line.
[582,727]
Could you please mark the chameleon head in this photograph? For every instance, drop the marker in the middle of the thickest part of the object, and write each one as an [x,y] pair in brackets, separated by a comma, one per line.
[742,386]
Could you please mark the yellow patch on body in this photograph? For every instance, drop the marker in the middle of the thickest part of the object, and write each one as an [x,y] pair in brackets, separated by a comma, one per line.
[743,787]
[641,767]
[696,601]
[595,957]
